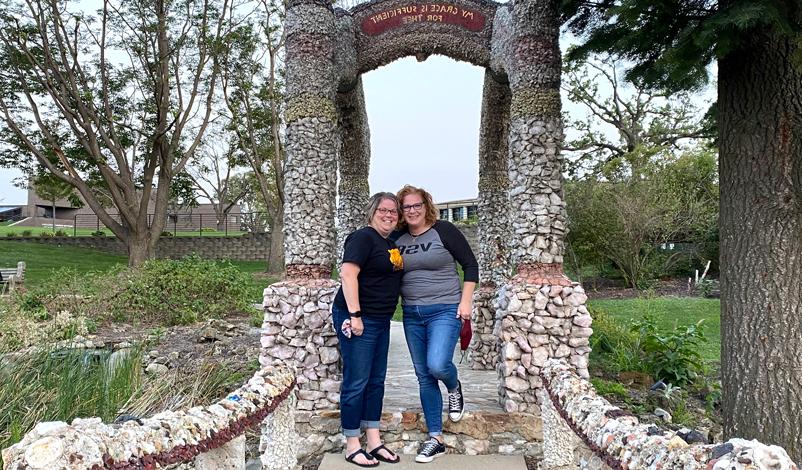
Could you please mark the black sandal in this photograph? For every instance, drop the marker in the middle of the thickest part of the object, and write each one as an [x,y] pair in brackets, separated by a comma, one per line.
[351,458]
[376,455]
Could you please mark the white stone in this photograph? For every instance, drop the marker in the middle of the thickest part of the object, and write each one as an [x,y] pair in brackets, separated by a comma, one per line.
[44,453]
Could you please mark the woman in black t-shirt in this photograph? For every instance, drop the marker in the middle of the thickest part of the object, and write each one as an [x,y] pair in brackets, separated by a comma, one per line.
[371,282]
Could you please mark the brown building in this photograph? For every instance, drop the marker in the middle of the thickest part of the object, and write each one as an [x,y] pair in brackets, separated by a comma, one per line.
[40,213]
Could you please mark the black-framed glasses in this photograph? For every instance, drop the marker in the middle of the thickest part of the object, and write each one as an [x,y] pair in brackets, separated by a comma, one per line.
[410,207]
[383,211]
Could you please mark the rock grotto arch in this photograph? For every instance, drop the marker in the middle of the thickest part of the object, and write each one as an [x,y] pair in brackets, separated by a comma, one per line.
[527,310]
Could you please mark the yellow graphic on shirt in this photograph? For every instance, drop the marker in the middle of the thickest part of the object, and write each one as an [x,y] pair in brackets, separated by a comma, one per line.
[396,259]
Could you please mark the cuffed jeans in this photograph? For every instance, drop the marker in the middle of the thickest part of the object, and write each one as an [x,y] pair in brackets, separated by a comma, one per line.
[431,332]
[364,370]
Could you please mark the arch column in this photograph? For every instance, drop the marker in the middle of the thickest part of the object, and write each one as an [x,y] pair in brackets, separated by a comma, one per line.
[494,229]
[541,312]
[297,330]
[354,162]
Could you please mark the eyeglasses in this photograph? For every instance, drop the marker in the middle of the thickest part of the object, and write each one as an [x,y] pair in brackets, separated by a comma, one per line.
[383,211]
[410,207]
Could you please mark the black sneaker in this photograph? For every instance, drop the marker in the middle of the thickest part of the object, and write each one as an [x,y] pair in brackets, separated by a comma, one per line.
[430,450]
[456,404]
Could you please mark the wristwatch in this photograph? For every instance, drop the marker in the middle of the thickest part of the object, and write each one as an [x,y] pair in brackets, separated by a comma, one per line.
[356,314]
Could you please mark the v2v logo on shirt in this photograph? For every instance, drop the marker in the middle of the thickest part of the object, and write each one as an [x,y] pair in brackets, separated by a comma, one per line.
[412,249]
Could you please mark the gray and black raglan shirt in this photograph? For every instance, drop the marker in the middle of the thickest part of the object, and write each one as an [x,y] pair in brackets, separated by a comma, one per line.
[430,265]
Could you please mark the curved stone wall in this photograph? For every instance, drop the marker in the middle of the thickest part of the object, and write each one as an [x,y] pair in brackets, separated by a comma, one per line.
[167,438]
[583,430]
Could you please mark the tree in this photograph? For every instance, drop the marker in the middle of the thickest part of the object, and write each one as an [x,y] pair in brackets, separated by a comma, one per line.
[758,47]
[625,220]
[211,175]
[253,95]
[645,122]
[50,188]
[113,103]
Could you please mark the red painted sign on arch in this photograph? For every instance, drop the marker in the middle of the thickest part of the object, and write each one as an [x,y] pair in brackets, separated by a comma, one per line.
[385,20]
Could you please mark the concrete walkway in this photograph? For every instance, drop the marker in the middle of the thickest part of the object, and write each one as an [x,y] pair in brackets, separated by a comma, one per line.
[447,462]
[480,387]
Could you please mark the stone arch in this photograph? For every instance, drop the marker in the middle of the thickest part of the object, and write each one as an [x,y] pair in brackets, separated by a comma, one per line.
[527,310]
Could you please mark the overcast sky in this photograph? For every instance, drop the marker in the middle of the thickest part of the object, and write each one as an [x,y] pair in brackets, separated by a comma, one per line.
[424,128]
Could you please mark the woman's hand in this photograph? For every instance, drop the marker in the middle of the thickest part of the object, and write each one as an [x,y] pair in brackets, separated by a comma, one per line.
[464,310]
[356,326]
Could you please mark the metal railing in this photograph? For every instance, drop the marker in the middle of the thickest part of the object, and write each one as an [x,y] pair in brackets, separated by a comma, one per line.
[187,224]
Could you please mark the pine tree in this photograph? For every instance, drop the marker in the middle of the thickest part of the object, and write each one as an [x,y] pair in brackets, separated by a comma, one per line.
[757,45]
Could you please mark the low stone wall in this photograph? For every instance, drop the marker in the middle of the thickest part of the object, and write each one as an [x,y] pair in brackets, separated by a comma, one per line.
[253,247]
[170,437]
[583,430]
[478,432]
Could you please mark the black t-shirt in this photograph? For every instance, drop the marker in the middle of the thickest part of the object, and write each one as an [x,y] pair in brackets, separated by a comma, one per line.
[379,278]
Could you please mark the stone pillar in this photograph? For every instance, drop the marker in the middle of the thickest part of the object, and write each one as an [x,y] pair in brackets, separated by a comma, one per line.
[354,162]
[541,312]
[230,456]
[279,444]
[297,329]
[494,229]
[312,140]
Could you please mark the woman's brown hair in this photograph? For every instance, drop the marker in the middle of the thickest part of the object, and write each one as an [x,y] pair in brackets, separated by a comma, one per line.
[430,211]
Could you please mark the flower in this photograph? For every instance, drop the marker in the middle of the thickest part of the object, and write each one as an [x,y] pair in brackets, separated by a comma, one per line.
[396,259]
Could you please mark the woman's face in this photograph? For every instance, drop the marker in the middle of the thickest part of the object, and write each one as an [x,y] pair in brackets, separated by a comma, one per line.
[414,210]
[386,217]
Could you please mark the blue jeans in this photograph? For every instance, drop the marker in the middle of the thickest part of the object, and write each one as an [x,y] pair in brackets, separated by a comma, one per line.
[431,332]
[364,370]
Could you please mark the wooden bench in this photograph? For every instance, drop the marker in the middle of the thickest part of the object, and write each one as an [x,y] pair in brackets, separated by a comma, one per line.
[12,277]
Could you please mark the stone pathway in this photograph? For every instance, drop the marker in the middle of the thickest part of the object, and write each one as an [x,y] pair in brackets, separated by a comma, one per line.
[401,387]
[447,462]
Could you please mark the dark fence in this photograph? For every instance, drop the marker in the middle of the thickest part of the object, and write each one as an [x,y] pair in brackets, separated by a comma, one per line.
[188,223]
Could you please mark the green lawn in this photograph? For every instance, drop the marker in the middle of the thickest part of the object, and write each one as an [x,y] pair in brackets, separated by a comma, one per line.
[11,231]
[42,260]
[670,312]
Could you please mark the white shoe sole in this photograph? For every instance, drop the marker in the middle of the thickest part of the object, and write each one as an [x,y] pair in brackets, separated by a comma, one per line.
[421,459]
[459,416]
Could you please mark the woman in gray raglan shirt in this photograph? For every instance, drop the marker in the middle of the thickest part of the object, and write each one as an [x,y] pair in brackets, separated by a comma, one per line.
[434,306]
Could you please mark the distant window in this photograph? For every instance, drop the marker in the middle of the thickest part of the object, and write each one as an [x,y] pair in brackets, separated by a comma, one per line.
[473,212]
[456,213]
[443,214]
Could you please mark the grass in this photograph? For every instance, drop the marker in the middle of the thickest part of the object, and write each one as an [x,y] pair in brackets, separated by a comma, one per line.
[56,386]
[63,385]
[42,260]
[16,230]
[670,312]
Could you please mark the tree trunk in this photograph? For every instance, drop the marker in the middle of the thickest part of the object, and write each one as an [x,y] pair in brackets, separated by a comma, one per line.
[760,109]
[139,249]
[275,262]
[54,217]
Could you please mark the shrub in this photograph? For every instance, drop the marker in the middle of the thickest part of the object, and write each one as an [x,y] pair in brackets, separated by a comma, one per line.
[98,233]
[27,233]
[61,233]
[607,388]
[671,356]
[11,234]
[176,291]
[166,234]
[207,229]
[613,346]
[47,234]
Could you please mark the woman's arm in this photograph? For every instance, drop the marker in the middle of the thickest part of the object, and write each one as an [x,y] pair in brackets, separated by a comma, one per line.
[466,301]
[349,273]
